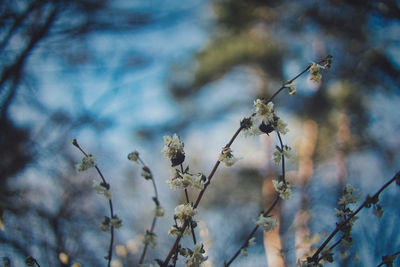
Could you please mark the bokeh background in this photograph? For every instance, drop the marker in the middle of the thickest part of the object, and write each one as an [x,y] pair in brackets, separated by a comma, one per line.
[119,75]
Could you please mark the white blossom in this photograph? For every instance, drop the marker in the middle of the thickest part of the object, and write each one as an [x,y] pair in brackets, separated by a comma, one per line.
[283,189]
[244,252]
[184,212]
[105,224]
[150,238]
[265,111]
[286,151]
[292,88]
[174,230]
[349,195]
[87,162]
[116,222]
[101,189]
[159,211]
[133,156]
[253,129]
[172,146]
[281,126]
[266,223]
[196,258]
[252,241]
[185,180]
[227,157]
[315,70]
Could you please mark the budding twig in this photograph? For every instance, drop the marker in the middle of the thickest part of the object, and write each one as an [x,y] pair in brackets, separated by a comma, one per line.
[109,256]
[157,202]
[200,196]
[339,226]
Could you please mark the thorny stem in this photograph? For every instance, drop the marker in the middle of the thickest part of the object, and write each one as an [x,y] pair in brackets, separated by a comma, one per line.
[344,223]
[153,224]
[109,257]
[246,242]
[214,169]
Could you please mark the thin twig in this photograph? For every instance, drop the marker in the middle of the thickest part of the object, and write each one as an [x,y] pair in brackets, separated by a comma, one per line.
[109,257]
[190,220]
[277,198]
[344,223]
[246,242]
[153,223]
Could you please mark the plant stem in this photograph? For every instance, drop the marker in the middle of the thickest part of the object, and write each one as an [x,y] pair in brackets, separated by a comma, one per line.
[342,224]
[109,257]
[153,224]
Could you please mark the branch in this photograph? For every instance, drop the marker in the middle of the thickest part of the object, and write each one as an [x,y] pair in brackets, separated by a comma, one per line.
[177,240]
[109,256]
[344,223]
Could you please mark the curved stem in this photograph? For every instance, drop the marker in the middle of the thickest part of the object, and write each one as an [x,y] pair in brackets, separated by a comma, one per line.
[153,224]
[109,257]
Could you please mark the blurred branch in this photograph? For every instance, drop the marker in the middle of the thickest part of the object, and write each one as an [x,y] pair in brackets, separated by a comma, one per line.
[340,226]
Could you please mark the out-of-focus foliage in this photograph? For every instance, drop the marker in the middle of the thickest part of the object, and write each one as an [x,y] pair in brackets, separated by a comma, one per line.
[44,209]
[270,35]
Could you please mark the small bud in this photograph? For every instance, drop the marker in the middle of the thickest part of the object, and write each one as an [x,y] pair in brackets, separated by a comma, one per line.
[246,123]
[133,156]
[30,261]
[266,128]
[177,159]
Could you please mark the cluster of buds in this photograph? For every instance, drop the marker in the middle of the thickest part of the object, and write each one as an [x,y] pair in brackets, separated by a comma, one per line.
[264,121]
[285,151]
[107,223]
[173,150]
[194,258]
[266,223]
[227,157]
[150,238]
[87,162]
[283,188]
[102,188]
[249,243]
[186,179]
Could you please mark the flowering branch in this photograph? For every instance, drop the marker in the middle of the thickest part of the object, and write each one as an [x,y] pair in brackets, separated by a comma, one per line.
[191,221]
[246,242]
[367,203]
[158,212]
[314,69]
[265,214]
[103,188]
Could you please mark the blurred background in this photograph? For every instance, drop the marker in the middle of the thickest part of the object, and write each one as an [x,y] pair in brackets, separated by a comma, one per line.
[119,75]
